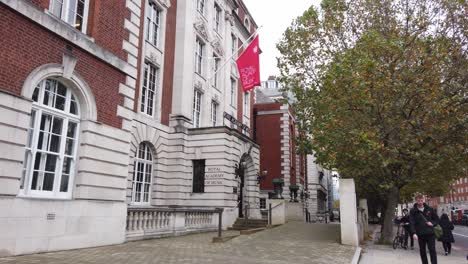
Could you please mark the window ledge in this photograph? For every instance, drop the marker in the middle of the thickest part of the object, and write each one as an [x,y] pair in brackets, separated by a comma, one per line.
[42,197]
[156,47]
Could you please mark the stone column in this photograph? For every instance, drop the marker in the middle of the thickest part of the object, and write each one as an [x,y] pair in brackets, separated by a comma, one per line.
[348,213]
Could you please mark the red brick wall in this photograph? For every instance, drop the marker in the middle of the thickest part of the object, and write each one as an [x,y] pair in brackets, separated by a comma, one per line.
[42,4]
[35,46]
[169,53]
[106,25]
[267,132]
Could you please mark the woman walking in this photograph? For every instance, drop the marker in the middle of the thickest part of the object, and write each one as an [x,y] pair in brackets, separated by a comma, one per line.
[447,236]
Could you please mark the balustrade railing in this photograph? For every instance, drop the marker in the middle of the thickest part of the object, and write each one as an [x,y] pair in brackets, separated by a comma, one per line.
[143,223]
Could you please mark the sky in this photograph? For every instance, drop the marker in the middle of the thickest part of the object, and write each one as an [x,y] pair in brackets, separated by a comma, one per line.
[275,16]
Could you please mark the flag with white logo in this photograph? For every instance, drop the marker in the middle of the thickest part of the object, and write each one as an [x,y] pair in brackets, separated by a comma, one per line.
[248,65]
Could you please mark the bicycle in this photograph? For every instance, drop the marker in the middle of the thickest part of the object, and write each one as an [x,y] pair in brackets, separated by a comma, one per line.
[399,239]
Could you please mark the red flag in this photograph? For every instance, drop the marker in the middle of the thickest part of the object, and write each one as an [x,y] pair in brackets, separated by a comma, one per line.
[248,65]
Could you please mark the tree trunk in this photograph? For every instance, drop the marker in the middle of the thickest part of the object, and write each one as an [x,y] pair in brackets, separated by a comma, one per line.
[392,202]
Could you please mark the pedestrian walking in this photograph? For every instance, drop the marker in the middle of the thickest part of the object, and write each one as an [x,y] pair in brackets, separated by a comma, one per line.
[447,236]
[422,221]
[405,221]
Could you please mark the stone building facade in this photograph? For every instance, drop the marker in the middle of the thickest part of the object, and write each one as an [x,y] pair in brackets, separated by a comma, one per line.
[113,121]
[320,189]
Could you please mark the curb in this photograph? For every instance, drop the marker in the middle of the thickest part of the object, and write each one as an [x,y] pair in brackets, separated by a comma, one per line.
[357,255]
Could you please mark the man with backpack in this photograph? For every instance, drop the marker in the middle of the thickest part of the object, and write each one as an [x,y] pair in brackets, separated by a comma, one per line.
[423,219]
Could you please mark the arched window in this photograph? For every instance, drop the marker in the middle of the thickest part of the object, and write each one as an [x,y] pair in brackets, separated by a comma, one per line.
[247,24]
[50,156]
[142,175]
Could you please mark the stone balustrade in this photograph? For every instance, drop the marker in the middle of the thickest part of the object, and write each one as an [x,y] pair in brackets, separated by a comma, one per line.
[144,223]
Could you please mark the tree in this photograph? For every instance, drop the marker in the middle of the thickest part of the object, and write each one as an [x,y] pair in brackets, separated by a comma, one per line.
[381,89]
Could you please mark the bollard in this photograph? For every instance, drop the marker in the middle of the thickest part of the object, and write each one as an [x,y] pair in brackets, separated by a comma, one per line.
[269,215]
[220,221]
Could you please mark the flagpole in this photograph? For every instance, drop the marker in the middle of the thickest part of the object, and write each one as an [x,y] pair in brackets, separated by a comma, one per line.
[235,53]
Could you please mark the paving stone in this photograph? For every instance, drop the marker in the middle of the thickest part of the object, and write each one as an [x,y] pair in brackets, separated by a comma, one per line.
[294,242]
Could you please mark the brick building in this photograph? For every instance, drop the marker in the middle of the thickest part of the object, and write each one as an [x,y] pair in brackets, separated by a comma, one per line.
[456,198]
[114,125]
[275,130]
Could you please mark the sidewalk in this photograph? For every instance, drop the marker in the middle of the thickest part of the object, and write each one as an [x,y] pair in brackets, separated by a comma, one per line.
[385,254]
[294,242]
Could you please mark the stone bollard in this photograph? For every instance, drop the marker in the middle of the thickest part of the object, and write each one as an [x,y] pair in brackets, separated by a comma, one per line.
[348,213]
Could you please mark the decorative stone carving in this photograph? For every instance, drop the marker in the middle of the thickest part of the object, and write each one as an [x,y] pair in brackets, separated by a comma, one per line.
[69,62]
[200,27]
[152,58]
[229,17]
[166,3]
[217,47]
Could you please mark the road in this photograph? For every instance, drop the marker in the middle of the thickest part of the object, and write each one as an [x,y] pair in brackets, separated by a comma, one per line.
[460,233]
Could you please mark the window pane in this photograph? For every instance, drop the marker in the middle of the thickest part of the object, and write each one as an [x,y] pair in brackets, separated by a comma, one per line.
[51,163]
[54,143]
[60,102]
[57,127]
[56,7]
[69,147]
[35,96]
[48,183]
[71,130]
[35,179]
[64,183]
[67,162]
[71,12]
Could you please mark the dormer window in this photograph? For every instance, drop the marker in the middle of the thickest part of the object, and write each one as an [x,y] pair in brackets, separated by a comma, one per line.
[74,12]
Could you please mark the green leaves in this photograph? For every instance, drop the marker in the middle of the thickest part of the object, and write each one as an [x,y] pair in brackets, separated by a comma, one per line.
[381,89]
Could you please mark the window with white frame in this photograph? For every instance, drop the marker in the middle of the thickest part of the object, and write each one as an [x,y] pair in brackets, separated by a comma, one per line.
[142,175]
[197,108]
[233,45]
[216,64]
[49,164]
[153,27]
[214,112]
[199,47]
[149,89]
[74,12]
[217,18]
[201,6]
[233,91]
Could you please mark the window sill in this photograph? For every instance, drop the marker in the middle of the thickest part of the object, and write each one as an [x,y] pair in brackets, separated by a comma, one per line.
[43,197]
[156,47]
[201,76]
[60,20]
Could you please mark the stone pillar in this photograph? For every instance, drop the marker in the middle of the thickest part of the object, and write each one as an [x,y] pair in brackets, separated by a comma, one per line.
[348,213]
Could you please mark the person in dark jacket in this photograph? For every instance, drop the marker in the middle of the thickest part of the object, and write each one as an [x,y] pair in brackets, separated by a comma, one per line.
[447,236]
[422,221]
[405,221]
